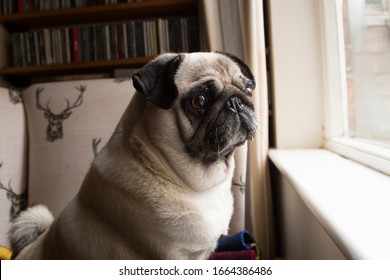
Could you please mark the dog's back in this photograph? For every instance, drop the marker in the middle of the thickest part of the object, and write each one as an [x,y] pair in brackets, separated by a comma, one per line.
[28,227]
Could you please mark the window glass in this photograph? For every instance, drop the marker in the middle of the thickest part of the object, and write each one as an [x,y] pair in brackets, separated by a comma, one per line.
[366,26]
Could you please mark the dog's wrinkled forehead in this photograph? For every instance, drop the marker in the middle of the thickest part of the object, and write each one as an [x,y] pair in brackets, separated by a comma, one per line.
[222,68]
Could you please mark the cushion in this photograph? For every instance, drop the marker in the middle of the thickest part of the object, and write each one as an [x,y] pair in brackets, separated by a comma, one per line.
[68,123]
[13,167]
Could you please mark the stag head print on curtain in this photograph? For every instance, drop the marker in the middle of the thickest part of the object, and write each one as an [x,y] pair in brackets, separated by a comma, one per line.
[17,199]
[13,147]
[54,129]
[69,122]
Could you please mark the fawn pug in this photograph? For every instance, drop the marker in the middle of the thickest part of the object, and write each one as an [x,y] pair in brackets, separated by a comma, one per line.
[161,186]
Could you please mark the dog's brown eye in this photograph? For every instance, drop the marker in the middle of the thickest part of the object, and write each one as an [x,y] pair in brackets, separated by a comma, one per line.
[199,101]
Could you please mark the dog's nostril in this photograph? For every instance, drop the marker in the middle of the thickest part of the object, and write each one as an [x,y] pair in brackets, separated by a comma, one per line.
[234,104]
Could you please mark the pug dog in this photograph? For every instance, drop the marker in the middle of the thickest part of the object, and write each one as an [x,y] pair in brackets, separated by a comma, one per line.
[161,186]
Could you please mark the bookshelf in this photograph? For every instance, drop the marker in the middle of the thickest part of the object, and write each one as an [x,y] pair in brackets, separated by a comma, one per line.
[74,68]
[148,9]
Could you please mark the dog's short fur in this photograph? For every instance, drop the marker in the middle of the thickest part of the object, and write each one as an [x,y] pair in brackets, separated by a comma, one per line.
[161,186]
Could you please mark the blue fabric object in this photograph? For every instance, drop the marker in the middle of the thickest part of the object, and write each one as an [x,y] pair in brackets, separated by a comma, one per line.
[239,241]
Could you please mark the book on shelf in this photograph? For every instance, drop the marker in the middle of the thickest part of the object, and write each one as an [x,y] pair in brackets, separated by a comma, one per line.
[97,42]
[21,6]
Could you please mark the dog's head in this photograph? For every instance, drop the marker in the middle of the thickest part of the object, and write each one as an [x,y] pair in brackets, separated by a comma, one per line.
[204,101]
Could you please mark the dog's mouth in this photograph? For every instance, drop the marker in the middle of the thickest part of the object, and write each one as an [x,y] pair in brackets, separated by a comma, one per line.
[231,129]
[229,132]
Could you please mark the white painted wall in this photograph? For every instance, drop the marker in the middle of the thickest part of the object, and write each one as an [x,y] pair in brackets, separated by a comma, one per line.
[301,236]
[296,73]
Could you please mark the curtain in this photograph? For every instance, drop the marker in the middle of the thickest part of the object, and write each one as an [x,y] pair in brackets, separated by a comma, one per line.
[237,27]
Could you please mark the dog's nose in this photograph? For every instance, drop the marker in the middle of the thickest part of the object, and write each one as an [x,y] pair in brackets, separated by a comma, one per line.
[234,104]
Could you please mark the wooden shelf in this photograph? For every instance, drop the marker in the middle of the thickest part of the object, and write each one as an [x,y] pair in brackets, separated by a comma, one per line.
[101,13]
[147,9]
[74,68]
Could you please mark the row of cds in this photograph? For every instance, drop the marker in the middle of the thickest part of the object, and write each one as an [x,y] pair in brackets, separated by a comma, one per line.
[22,6]
[105,41]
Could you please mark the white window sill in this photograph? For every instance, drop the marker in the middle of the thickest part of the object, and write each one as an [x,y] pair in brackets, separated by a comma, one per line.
[351,201]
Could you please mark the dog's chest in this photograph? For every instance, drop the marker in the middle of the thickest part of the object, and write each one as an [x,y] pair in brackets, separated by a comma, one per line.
[194,231]
[215,208]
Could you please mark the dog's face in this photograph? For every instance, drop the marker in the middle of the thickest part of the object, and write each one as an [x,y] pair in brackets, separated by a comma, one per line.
[203,104]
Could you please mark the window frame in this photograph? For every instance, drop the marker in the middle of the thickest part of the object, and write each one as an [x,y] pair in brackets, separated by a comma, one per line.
[335,98]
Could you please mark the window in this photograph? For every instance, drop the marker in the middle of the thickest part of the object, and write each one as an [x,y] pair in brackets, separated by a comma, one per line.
[366,26]
[356,39]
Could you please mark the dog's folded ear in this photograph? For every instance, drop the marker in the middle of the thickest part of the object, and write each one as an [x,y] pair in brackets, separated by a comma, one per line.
[156,80]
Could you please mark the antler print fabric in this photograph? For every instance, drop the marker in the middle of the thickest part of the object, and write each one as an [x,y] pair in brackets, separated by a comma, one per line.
[13,163]
[54,129]
[68,123]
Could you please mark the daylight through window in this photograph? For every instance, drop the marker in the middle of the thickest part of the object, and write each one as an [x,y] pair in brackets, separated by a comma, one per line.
[366,25]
